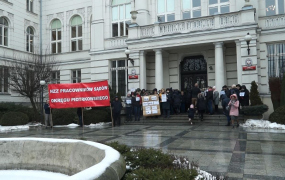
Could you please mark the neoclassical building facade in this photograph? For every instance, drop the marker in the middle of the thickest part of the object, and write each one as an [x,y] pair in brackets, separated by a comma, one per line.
[171,43]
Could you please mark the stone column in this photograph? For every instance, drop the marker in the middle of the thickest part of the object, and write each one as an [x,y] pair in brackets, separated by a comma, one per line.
[143,70]
[158,69]
[219,65]
[239,63]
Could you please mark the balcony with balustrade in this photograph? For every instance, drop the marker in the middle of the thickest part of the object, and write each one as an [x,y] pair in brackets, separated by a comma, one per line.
[272,22]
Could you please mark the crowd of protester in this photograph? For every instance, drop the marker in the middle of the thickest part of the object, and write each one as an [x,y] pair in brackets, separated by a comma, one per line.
[194,101]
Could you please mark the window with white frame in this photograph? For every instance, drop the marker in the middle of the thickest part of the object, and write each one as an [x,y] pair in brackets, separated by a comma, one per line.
[274,7]
[56,36]
[30,39]
[219,6]
[4,73]
[3,32]
[120,17]
[30,5]
[119,76]
[165,10]
[55,77]
[191,9]
[276,59]
[76,76]
[76,33]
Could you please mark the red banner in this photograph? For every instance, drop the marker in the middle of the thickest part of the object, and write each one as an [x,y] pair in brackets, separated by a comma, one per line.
[76,95]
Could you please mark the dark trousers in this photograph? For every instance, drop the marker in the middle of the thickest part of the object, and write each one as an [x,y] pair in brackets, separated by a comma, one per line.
[210,106]
[171,109]
[117,118]
[201,114]
[216,109]
[129,113]
[177,109]
[80,120]
[137,110]
[182,108]
[166,113]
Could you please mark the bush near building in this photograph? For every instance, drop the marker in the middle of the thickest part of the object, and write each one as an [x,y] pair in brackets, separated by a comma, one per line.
[96,115]
[63,116]
[282,98]
[278,115]
[8,107]
[14,119]
[254,95]
[275,89]
[255,110]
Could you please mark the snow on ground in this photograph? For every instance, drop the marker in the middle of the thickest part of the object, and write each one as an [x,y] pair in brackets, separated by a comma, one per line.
[262,124]
[34,124]
[30,175]
[13,128]
[101,124]
[206,176]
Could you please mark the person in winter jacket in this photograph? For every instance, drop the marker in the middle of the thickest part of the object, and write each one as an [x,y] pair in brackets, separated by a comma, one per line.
[201,105]
[234,112]
[183,102]
[244,96]
[165,105]
[128,102]
[225,101]
[47,114]
[194,92]
[79,114]
[137,102]
[216,99]
[176,101]
[227,91]
[188,99]
[209,98]
[116,108]
[191,112]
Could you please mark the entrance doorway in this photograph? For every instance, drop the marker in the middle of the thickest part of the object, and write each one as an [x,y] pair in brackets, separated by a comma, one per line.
[193,70]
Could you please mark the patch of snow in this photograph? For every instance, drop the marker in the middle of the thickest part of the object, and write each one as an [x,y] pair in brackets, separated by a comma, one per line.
[30,175]
[72,125]
[13,128]
[262,124]
[34,124]
[101,124]
[206,176]
[93,172]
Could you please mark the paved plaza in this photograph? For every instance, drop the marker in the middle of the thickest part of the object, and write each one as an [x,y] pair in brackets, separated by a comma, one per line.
[238,153]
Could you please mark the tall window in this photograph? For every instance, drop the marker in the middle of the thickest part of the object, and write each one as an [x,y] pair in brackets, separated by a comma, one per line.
[30,39]
[276,59]
[274,7]
[191,9]
[165,10]
[4,79]
[120,17]
[76,33]
[219,6]
[56,36]
[30,5]
[118,69]
[55,77]
[76,76]
[3,32]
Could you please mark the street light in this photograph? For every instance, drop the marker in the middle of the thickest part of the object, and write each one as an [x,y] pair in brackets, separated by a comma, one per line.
[42,83]
[248,38]
[127,52]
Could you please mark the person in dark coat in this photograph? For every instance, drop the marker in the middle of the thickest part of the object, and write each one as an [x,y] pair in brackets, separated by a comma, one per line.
[194,93]
[170,92]
[225,101]
[188,98]
[244,96]
[47,114]
[165,106]
[209,98]
[191,112]
[227,91]
[183,102]
[116,108]
[176,101]
[201,105]
[79,114]
[128,102]
[137,102]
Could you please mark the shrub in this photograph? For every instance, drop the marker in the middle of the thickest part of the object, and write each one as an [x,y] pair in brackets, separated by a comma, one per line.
[97,115]
[63,116]
[275,88]
[254,95]
[278,115]
[255,110]
[8,107]
[13,119]
[282,98]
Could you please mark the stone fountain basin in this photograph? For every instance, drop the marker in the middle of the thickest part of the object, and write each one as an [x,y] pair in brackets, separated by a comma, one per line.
[79,159]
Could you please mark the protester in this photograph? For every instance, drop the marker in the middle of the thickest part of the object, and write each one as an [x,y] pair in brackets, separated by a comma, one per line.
[165,103]
[244,96]
[225,101]
[227,91]
[201,105]
[195,91]
[191,112]
[216,99]
[128,102]
[116,108]
[79,114]
[47,114]
[188,98]
[209,98]
[137,102]
[154,91]
[176,101]
[234,112]
[183,102]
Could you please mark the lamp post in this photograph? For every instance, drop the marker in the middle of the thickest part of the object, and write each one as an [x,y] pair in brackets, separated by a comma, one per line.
[42,83]
[248,38]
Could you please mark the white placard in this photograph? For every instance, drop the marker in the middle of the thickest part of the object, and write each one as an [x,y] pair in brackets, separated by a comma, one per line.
[150,103]
[222,92]
[128,101]
[145,103]
[147,108]
[153,98]
[154,107]
[133,90]
[154,111]
[146,98]
[138,98]
[163,98]
[241,94]
[155,102]
[148,112]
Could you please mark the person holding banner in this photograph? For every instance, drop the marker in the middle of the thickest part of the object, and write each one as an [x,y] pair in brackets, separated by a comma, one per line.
[79,114]
[116,108]
[47,114]
[128,102]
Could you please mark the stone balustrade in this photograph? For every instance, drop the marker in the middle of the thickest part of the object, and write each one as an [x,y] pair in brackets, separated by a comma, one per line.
[117,42]
[270,22]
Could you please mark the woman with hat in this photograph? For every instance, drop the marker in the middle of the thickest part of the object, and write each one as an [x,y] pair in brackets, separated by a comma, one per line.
[233,109]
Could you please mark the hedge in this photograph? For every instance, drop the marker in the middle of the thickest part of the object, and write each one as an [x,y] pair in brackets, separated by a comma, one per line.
[64,116]
[14,119]
[8,107]
[255,110]
[96,115]
[278,115]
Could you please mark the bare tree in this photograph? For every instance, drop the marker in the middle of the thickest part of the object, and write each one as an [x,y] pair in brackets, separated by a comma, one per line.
[26,72]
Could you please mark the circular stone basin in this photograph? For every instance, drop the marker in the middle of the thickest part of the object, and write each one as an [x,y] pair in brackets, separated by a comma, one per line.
[79,159]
